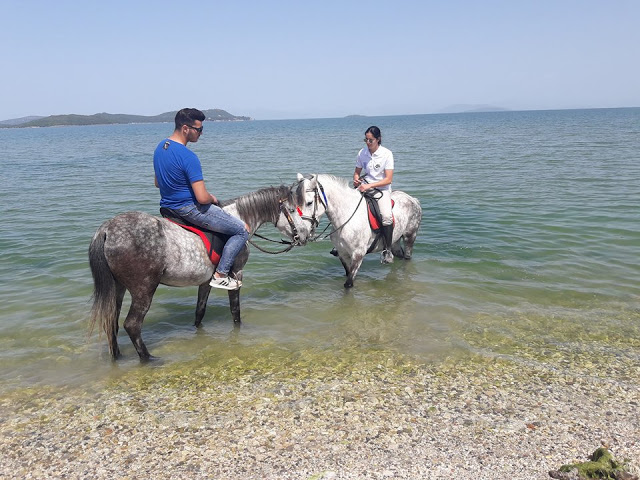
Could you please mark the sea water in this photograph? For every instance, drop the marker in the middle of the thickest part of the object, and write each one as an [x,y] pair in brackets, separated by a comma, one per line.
[529,242]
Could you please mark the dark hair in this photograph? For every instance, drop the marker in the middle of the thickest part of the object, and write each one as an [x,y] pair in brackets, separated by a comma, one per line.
[375,131]
[187,116]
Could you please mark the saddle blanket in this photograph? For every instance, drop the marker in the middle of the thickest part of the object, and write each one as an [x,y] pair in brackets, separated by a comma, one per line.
[213,241]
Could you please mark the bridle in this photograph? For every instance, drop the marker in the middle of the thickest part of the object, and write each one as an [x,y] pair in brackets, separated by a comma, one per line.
[295,236]
[319,197]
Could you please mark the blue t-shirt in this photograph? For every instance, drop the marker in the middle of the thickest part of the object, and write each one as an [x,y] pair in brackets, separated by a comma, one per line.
[176,169]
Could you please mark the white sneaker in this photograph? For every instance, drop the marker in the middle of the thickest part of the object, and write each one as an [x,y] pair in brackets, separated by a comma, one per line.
[226,283]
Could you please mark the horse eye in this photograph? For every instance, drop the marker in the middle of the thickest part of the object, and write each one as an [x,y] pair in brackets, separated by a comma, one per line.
[309,204]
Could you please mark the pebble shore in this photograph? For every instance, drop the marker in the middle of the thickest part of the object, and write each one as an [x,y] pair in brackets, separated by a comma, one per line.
[378,416]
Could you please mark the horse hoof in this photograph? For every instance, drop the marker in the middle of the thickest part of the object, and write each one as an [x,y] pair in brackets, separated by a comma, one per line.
[348,285]
[386,257]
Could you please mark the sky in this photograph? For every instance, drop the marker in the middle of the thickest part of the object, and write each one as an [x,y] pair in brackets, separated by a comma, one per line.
[315,59]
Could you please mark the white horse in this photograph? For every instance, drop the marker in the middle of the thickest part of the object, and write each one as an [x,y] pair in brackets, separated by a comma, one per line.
[346,209]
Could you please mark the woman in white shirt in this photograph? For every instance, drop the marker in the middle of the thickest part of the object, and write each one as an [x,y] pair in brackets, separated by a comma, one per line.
[374,169]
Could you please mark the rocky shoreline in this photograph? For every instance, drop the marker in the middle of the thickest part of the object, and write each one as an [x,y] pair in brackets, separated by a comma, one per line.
[376,416]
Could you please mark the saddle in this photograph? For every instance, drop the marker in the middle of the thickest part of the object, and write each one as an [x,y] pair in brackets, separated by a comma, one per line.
[213,241]
[375,220]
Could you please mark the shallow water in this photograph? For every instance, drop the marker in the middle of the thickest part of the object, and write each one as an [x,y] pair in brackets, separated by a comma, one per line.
[528,246]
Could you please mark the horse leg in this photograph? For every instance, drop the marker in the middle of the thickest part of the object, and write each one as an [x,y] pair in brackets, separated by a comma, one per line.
[356,261]
[201,307]
[120,291]
[140,303]
[409,240]
[234,305]
[345,266]
[234,295]
[397,248]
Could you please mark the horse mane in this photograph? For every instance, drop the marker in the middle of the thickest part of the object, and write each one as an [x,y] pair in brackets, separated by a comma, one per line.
[323,177]
[344,182]
[264,204]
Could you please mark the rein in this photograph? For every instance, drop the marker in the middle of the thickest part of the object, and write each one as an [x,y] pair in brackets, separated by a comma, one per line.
[319,197]
[325,204]
[283,242]
[294,231]
[321,237]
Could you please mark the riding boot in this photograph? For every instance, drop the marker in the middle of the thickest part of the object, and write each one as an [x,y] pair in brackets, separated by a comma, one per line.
[387,237]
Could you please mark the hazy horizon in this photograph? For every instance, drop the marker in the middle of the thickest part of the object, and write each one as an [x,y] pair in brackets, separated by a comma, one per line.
[444,112]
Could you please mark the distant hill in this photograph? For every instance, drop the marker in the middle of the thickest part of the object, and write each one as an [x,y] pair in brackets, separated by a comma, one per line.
[18,121]
[472,108]
[212,115]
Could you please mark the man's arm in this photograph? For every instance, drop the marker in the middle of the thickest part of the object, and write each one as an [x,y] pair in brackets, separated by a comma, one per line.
[203,197]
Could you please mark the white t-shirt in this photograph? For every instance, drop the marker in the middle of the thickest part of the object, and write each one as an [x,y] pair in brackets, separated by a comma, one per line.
[375,165]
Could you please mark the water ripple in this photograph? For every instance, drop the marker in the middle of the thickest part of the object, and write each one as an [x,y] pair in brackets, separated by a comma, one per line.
[530,236]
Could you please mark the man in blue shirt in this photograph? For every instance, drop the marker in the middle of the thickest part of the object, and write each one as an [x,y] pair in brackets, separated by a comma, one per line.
[178,175]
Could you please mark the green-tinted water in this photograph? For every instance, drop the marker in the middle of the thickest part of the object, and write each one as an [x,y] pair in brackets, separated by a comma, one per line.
[528,247]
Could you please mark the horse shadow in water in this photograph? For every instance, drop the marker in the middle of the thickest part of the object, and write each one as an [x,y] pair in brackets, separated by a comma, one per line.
[136,252]
[346,209]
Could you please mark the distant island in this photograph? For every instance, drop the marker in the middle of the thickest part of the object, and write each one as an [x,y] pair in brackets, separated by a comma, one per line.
[464,108]
[460,108]
[212,115]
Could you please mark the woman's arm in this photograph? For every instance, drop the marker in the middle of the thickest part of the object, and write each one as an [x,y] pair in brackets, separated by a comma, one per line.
[356,177]
[388,178]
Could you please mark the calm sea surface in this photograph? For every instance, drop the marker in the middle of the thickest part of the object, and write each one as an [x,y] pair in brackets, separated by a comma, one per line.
[529,246]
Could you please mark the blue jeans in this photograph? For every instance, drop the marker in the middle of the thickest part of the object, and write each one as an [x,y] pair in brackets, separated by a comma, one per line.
[215,219]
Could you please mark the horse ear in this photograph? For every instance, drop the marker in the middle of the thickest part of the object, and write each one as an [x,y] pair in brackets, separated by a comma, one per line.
[300,177]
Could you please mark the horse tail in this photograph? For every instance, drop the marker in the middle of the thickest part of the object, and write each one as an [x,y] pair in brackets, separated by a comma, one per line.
[104,309]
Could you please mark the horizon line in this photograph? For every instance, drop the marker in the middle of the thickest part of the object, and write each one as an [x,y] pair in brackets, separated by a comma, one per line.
[471,111]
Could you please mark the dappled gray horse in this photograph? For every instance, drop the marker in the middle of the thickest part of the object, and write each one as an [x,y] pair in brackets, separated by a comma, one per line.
[346,209]
[136,252]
